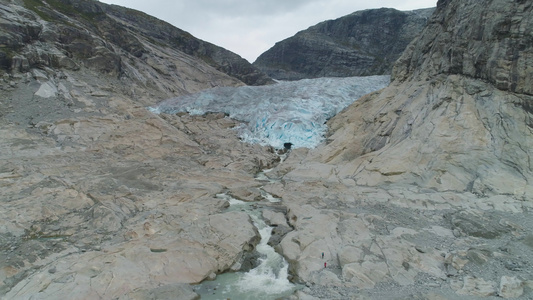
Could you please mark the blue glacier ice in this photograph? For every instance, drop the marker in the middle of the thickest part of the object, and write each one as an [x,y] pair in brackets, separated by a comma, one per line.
[286,112]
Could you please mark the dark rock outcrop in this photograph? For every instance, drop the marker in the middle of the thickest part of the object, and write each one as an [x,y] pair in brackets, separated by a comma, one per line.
[220,58]
[363,43]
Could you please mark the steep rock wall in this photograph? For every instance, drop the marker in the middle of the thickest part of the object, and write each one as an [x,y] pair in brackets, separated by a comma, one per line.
[117,42]
[363,43]
[489,40]
[458,115]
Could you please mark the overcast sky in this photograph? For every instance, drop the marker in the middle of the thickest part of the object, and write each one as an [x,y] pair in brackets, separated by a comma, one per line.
[250,27]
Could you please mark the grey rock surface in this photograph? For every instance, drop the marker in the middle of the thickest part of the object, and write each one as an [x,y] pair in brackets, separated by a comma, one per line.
[363,43]
[99,197]
[112,40]
[443,131]
[489,41]
[423,190]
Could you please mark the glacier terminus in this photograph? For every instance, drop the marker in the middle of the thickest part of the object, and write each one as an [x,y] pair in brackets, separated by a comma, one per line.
[292,112]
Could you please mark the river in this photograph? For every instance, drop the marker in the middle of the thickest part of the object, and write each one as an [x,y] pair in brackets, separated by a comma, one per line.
[269,280]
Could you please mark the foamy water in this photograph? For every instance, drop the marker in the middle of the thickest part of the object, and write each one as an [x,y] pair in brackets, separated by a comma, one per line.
[267,281]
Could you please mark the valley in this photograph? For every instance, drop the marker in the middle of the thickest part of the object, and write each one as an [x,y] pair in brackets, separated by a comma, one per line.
[131,156]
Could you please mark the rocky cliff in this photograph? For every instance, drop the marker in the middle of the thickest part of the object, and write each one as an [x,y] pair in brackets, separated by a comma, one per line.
[427,183]
[99,198]
[460,91]
[112,40]
[363,43]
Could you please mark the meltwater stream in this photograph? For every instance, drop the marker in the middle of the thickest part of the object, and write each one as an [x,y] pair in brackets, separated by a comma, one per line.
[286,113]
[266,281]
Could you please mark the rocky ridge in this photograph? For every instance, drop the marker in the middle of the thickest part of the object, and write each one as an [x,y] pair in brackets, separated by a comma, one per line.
[137,48]
[363,43]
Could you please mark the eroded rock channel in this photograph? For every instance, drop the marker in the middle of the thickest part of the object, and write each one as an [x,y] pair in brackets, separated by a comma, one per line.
[262,273]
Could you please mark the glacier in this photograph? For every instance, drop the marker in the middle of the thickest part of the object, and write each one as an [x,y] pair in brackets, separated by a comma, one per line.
[286,112]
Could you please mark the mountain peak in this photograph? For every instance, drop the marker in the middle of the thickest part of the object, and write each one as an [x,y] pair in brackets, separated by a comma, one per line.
[363,43]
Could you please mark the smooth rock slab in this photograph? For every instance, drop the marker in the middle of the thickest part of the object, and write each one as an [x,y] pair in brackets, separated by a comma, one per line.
[365,275]
[46,90]
[511,287]
[476,287]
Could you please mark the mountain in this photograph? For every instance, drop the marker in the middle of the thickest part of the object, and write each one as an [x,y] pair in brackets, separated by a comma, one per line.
[462,91]
[84,165]
[363,43]
[428,182]
[109,39]
[422,190]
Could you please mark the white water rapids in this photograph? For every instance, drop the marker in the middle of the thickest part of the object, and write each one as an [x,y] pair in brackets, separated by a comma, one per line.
[266,281]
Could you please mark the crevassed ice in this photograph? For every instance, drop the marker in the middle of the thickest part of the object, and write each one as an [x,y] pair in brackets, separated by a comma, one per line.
[287,112]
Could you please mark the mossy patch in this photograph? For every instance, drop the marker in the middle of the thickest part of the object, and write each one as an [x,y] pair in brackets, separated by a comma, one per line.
[35,6]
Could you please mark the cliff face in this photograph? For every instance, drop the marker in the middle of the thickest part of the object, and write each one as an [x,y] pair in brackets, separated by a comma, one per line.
[458,115]
[115,41]
[363,43]
[448,145]
[489,41]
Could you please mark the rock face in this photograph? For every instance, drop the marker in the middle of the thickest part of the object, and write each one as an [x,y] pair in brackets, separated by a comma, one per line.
[113,40]
[447,128]
[423,189]
[99,198]
[363,43]
[494,46]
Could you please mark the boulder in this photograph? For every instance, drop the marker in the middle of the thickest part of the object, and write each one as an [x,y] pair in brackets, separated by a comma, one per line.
[476,225]
[275,218]
[511,287]
[476,287]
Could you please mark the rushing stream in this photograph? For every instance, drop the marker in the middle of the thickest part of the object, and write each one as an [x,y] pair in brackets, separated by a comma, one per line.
[266,281]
